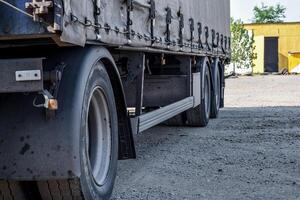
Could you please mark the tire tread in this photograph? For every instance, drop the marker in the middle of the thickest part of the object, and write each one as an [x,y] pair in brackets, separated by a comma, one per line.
[60,190]
[197,117]
[11,190]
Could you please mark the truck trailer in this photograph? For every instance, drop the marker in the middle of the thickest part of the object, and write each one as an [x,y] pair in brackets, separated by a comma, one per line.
[78,78]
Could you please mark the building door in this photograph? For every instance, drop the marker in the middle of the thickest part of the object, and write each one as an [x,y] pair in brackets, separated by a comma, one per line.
[271,54]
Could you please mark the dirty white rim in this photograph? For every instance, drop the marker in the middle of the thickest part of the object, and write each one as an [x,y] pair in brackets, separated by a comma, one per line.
[99,137]
[207,96]
[218,89]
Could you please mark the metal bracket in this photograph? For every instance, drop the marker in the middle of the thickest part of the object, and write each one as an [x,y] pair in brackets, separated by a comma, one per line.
[55,78]
[192,30]
[200,45]
[152,16]
[58,15]
[168,22]
[218,39]
[50,103]
[140,87]
[129,20]
[206,38]
[28,75]
[21,75]
[97,12]
[225,42]
[213,38]
[222,43]
[181,28]
[39,8]
[134,81]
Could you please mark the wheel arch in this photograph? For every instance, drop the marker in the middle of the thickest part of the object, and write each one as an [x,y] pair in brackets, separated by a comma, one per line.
[92,55]
[126,142]
[35,148]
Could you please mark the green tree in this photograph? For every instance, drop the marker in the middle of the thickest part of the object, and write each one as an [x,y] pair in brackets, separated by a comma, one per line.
[269,14]
[242,55]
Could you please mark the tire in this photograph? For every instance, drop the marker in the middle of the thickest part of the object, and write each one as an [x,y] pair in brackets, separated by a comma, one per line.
[216,93]
[98,145]
[178,120]
[18,190]
[11,190]
[199,116]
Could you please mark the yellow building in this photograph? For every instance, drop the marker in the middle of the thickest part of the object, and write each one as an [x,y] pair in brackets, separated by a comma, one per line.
[275,45]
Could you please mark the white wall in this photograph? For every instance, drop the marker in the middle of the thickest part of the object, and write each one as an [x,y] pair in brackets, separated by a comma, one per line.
[243,71]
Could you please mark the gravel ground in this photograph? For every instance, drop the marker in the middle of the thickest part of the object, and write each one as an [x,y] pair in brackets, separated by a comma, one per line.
[251,152]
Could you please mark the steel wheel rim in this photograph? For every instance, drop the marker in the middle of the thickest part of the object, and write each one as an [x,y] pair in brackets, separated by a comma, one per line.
[99,136]
[206,97]
[218,91]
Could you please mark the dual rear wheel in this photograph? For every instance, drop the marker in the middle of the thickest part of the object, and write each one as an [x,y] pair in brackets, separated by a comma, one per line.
[99,140]
[210,99]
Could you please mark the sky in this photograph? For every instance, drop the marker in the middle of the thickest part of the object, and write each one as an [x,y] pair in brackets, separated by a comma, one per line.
[242,9]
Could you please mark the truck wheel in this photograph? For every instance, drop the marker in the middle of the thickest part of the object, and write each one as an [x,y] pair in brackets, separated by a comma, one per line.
[199,116]
[18,190]
[98,144]
[216,94]
[178,120]
[11,190]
